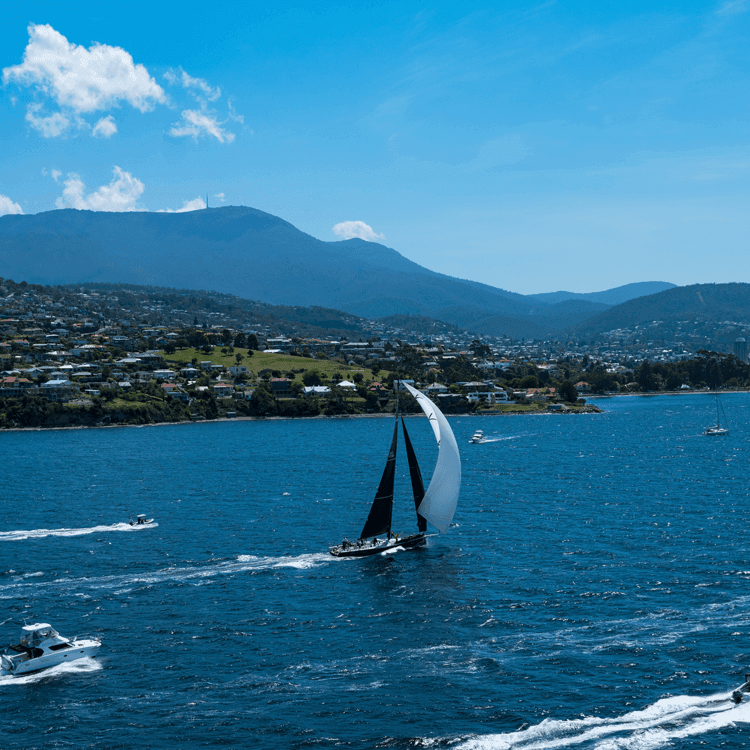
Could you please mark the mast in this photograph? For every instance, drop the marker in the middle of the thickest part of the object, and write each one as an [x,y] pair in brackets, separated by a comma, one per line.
[417,485]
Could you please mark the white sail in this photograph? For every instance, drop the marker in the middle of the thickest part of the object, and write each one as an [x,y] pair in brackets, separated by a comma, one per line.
[441,497]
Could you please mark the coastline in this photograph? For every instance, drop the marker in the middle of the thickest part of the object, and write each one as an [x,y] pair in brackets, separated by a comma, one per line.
[380,415]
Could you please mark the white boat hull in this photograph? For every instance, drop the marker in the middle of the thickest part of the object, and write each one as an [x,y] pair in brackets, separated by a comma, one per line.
[21,664]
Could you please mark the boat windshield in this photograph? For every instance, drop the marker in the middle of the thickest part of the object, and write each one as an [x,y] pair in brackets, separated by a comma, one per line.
[33,637]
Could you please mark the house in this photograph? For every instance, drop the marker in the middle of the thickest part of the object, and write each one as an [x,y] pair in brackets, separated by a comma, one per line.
[163,374]
[399,384]
[315,390]
[435,389]
[347,384]
[223,390]
[281,386]
[237,370]
[59,390]
[175,392]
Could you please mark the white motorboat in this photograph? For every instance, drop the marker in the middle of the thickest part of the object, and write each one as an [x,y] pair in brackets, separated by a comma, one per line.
[477,437]
[41,646]
[141,520]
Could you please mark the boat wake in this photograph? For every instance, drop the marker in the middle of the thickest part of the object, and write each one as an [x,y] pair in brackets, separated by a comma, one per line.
[656,726]
[20,535]
[499,439]
[79,666]
[125,583]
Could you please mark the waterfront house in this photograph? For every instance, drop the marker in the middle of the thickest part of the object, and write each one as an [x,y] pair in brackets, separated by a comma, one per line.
[223,390]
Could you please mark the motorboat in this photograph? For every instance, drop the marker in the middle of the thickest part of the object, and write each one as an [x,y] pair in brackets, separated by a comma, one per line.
[41,646]
[477,437]
[742,690]
[141,520]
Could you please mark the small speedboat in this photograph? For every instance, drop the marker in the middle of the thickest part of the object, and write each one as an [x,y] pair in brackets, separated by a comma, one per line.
[477,437]
[737,695]
[141,520]
[41,646]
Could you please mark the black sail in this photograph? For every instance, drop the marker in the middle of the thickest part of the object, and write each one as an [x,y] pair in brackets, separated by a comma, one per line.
[379,520]
[417,485]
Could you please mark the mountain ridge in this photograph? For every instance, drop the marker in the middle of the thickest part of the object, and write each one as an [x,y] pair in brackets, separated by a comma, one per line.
[255,255]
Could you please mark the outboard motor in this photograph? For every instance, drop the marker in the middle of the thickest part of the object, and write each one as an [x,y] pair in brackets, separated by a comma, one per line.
[737,696]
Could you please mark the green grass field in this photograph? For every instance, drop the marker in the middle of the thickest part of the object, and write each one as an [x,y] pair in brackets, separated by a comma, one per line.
[284,363]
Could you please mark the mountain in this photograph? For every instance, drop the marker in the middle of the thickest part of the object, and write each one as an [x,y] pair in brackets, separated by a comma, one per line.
[248,253]
[615,296]
[698,302]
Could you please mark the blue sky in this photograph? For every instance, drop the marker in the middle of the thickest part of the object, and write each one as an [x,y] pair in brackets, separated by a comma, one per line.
[532,146]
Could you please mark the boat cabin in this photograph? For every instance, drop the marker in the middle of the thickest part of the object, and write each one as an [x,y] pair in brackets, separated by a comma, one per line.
[33,635]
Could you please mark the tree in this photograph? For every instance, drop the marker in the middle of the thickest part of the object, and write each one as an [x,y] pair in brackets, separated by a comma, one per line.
[645,377]
[568,392]
[240,340]
[479,349]
[251,341]
[263,401]
[238,357]
[311,377]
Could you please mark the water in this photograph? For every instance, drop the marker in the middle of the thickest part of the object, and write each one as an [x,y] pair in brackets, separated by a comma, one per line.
[592,593]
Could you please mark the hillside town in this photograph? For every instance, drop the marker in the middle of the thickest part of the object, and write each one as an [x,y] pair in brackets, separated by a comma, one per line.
[74,355]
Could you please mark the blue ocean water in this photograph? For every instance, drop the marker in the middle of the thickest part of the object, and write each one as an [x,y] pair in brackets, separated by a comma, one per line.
[593,592]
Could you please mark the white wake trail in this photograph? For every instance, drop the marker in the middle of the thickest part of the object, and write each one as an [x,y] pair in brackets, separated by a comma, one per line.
[654,727]
[20,535]
[125,582]
[79,666]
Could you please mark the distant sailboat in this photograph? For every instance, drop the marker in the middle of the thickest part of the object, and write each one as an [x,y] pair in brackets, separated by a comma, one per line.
[718,429]
[437,504]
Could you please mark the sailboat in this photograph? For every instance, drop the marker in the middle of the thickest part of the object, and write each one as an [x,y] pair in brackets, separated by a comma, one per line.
[718,429]
[437,504]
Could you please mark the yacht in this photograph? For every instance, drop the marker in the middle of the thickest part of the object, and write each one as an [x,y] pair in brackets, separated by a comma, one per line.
[477,437]
[41,646]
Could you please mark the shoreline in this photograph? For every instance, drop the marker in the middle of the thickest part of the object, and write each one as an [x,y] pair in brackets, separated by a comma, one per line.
[383,415]
[379,415]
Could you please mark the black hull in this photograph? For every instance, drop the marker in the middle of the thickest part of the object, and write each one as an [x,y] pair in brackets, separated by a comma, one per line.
[408,542]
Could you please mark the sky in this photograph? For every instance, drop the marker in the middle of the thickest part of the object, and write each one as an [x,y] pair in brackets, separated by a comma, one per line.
[536,146]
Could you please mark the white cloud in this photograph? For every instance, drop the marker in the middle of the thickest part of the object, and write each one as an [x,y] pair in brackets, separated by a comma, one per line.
[220,196]
[8,207]
[201,88]
[105,128]
[56,175]
[349,229]
[50,126]
[195,124]
[83,80]
[233,113]
[194,205]
[120,195]
[188,82]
